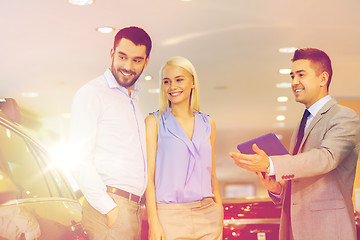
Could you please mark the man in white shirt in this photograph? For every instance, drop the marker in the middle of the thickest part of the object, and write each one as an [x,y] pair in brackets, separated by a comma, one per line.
[108,137]
[318,178]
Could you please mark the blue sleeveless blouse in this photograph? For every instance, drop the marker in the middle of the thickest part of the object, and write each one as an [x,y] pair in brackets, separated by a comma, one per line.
[183,166]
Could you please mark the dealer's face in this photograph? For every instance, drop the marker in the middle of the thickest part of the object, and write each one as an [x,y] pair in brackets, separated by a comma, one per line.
[307,87]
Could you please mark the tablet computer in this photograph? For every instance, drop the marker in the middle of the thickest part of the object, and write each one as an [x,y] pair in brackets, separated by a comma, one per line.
[269,143]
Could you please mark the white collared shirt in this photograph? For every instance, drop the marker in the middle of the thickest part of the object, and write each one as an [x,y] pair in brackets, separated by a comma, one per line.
[108,138]
[315,108]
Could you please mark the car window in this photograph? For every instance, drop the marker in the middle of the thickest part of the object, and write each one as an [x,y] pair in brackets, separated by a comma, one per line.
[54,177]
[19,164]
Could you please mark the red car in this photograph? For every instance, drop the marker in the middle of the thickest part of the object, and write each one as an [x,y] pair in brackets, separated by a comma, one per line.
[245,218]
[357,220]
[256,218]
[252,218]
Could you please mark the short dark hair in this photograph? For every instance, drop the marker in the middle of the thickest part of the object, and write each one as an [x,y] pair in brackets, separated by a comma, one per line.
[317,57]
[135,34]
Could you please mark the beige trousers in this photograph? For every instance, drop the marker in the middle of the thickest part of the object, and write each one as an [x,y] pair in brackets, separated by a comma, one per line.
[126,227]
[196,220]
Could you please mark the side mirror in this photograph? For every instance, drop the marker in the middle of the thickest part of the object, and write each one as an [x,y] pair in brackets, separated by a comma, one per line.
[8,189]
[10,108]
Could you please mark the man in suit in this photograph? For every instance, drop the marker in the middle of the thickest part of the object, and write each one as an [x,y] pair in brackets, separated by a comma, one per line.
[315,183]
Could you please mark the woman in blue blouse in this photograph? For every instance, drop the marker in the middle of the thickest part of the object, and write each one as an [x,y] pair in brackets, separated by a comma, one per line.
[181,164]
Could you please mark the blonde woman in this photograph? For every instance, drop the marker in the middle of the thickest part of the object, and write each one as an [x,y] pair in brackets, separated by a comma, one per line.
[182,183]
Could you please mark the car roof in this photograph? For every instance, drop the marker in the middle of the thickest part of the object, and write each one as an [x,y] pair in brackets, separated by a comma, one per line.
[4,120]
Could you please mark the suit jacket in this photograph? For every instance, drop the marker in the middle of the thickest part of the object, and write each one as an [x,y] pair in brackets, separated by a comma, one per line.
[322,177]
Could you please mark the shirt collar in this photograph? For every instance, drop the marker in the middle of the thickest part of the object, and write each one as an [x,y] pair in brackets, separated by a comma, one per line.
[112,83]
[315,108]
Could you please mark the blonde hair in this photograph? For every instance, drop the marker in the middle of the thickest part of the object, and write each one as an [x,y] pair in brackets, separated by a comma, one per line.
[164,103]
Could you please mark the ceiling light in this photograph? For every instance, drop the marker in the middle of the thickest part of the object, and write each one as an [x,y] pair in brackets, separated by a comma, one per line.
[30,94]
[285,71]
[280,117]
[81,2]
[154,90]
[66,115]
[148,77]
[283,85]
[282,99]
[287,50]
[105,29]
[281,108]
[279,124]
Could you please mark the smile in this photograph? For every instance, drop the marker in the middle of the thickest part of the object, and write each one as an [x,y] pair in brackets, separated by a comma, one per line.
[125,73]
[298,90]
[175,94]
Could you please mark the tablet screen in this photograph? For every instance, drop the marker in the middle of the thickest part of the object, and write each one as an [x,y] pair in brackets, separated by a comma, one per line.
[269,143]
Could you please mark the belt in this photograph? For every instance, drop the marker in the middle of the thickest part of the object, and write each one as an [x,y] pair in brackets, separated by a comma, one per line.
[124,194]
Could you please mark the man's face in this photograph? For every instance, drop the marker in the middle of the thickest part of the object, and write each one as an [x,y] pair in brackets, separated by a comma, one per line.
[128,62]
[307,87]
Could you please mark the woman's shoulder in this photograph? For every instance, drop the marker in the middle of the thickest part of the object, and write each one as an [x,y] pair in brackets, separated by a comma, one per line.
[204,116]
[155,114]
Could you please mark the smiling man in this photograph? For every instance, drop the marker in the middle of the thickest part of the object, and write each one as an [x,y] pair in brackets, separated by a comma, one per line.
[315,183]
[108,138]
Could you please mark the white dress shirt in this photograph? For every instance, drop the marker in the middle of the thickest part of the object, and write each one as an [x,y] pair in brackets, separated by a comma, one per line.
[315,108]
[108,139]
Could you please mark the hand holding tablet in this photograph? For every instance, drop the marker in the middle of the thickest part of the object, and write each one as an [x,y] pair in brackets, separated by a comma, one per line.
[257,159]
[269,143]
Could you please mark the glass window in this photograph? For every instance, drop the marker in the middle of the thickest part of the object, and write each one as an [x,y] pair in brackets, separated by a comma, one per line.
[19,164]
[54,176]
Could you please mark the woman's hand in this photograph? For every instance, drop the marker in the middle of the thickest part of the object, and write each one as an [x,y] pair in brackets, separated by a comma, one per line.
[156,232]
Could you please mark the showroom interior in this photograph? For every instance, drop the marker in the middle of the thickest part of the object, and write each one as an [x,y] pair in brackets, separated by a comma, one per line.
[241,50]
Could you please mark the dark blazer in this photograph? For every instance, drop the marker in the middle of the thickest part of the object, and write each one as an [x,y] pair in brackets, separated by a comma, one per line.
[322,177]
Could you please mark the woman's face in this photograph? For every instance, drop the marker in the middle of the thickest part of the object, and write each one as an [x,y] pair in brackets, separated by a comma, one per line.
[177,84]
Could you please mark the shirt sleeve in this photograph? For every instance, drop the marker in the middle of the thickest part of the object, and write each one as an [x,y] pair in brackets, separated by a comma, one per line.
[277,199]
[271,171]
[84,121]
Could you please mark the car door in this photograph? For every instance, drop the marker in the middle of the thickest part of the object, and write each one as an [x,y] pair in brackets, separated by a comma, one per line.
[36,201]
